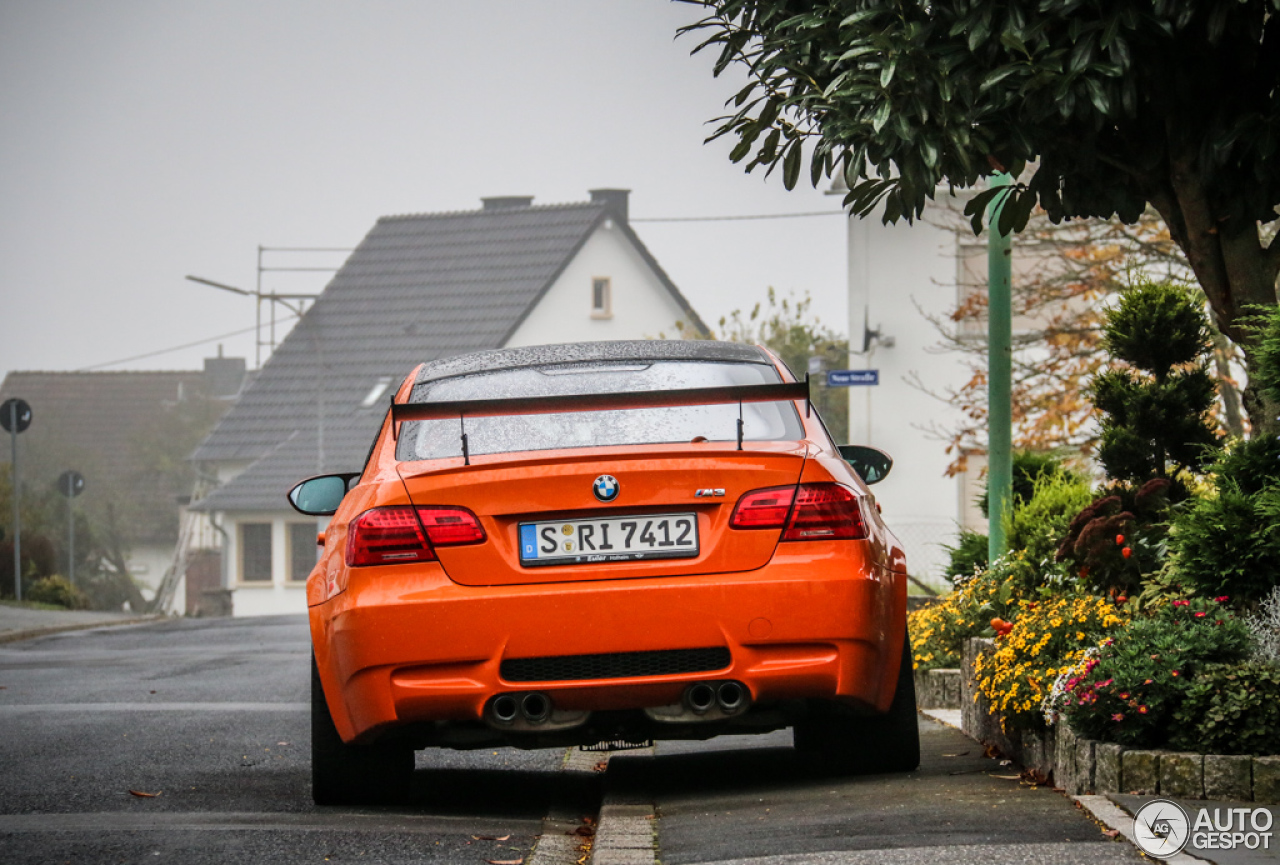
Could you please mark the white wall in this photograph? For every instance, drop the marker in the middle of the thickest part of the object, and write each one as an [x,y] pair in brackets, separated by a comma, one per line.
[898,275]
[273,598]
[641,306]
[147,564]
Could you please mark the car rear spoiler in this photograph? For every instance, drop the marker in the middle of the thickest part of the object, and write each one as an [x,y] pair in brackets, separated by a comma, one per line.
[525,405]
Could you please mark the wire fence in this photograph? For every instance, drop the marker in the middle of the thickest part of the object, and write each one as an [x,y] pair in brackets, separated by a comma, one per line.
[925,541]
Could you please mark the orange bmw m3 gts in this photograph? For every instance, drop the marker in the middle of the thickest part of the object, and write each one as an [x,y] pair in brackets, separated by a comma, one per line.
[603,544]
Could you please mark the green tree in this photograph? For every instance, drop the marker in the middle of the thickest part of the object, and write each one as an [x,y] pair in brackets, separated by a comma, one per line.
[1155,408]
[1156,429]
[1114,105]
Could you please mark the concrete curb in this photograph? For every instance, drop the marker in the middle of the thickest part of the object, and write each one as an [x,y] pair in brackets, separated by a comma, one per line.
[1114,817]
[31,633]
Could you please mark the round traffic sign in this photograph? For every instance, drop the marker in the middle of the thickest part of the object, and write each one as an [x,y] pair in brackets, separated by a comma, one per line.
[71,483]
[15,409]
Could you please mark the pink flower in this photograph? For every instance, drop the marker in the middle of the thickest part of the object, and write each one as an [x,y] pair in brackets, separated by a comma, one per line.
[1201,615]
[1182,603]
[1173,672]
[1147,682]
[1104,684]
[1142,710]
[1221,599]
[1118,716]
[1124,695]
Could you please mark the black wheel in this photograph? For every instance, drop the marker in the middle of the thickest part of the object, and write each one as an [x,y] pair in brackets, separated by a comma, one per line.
[865,744]
[343,774]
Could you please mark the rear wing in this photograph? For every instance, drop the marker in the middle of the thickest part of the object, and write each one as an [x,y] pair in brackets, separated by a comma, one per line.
[526,405]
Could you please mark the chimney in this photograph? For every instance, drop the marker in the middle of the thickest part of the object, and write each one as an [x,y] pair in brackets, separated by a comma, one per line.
[507,202]
[223,375]
[614,199]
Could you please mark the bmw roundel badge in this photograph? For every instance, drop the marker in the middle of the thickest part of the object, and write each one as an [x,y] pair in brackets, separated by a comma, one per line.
[605,488]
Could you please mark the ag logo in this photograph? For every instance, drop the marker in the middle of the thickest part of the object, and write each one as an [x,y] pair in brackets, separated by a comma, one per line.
[606,488]
[1161,828]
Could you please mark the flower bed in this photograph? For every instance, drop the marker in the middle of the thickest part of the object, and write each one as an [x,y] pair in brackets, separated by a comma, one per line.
[1080,765]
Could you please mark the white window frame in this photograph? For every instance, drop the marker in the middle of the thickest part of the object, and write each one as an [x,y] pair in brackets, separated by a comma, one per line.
[604,285]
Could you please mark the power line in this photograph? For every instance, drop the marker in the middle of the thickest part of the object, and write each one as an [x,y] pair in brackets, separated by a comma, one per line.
[177,347]
[736,218]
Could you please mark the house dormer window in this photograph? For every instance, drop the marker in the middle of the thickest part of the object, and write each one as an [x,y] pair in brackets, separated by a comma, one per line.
[601,297]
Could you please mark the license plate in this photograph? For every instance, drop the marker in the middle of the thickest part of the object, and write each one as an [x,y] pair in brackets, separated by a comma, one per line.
[611,539]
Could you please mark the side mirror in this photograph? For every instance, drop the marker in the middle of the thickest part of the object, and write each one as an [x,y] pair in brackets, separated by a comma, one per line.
[320,496]
[871,464]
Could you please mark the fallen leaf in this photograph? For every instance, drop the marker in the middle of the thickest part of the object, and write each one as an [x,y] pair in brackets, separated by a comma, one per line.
[1111,833]
[519,861]
[584,831]
[1007,777]
[142,795]
[282,743]
[490,837]
[961,754]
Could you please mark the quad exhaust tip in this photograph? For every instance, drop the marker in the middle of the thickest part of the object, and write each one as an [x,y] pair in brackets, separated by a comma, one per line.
[731,696]
[535,708]
[700,697]
[505,708]
[531,708]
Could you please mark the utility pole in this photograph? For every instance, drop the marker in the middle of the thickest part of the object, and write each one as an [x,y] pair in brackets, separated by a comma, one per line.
[999,374]
[71,484]
[15,416]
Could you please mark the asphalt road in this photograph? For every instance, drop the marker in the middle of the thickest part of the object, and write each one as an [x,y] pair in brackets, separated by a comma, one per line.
[210,716]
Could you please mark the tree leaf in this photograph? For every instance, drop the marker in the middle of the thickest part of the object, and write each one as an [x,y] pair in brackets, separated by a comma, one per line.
[1011,41]
[881,117]
[791,165]
[886,74]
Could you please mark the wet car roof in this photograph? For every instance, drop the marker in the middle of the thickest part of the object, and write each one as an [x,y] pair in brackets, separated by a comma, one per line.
[587,352]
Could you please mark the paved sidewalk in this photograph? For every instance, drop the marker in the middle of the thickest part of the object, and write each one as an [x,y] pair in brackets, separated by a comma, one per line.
[20,623]
[1116,812]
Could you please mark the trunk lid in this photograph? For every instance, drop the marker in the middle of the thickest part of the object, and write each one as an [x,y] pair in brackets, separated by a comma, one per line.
[557,491]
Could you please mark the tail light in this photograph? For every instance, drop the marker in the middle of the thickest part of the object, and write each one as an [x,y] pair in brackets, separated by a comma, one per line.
[825,512]
[393,535]
[809,512]
[763,509]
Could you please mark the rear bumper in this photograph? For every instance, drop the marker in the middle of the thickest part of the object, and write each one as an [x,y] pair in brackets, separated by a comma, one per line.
[407,645]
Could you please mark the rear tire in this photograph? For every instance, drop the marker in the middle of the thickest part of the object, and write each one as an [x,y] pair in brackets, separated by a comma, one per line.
[342,774]
[859,744]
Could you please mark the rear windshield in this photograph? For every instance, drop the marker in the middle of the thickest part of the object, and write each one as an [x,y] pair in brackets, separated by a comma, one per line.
[435,439]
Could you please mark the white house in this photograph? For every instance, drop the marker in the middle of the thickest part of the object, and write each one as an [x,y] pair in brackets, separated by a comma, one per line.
[417,288]
[900,277]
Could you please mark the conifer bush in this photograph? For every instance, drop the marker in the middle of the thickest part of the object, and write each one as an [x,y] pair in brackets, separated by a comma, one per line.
[1157,432]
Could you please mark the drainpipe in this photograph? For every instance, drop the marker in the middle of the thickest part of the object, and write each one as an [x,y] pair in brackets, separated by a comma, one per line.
[226,551]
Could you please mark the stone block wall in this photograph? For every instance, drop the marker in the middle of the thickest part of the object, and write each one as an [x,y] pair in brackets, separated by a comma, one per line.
[1083,766]
[938,689]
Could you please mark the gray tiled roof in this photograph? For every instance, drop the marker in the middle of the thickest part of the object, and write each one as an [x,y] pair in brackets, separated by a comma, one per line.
[417,288]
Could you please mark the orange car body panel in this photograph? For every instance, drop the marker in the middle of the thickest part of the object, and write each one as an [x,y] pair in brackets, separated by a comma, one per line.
[423,642]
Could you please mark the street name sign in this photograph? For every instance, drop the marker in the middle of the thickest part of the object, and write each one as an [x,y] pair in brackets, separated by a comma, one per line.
[852,377]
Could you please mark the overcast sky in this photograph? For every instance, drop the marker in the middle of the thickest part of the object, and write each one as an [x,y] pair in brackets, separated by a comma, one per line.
[142,141]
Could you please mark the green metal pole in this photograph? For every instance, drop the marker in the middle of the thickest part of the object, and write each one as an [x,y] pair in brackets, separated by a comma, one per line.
[999,375]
